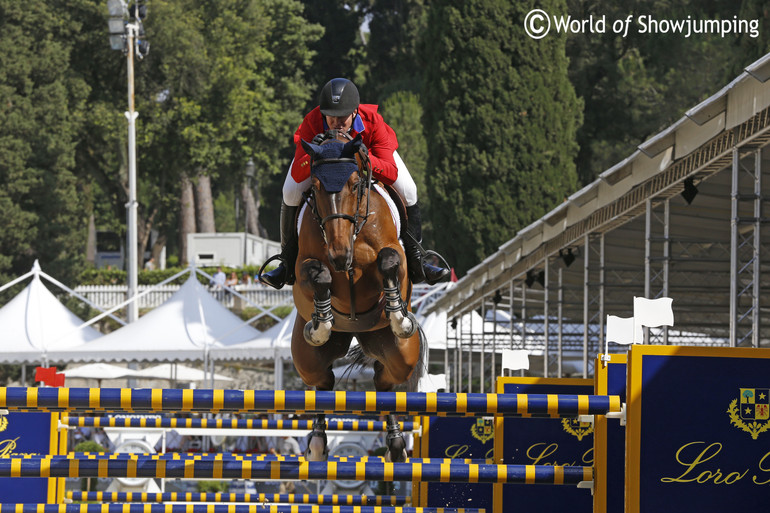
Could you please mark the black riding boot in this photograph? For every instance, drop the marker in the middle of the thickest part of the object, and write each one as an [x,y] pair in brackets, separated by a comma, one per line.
[419,270]
[284,273]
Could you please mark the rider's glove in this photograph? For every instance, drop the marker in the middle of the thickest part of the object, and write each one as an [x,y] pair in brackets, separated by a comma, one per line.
[318,139]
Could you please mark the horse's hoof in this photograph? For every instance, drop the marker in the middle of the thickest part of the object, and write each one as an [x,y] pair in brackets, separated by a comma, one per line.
[316,449]
[400,458]
[308,333]
[406,327]
[396,452]
[415,325]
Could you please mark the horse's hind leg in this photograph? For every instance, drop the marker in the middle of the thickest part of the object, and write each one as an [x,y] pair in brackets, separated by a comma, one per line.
[318,329]
[402,322]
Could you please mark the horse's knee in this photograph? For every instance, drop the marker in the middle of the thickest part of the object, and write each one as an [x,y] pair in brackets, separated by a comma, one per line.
[388,262]
[317,274]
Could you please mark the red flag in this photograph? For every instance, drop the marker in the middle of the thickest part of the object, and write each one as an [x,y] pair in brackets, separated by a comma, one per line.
[453,276]
[58,380]
[45,374]
[49,376]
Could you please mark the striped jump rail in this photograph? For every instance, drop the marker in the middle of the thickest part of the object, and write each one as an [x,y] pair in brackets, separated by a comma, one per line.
[226,456]
[289,424]
[219,508]
[290,498]
[61,466]
[280,401]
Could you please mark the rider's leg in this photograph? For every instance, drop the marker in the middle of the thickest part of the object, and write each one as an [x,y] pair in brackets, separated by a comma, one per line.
[419,270]
[292,197]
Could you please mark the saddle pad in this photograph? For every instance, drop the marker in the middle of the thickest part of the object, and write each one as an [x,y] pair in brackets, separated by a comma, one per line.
[385,196]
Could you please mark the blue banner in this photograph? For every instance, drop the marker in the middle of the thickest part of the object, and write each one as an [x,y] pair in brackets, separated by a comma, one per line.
[23,434]
[544,441]
[610,439]
[698,429]
[458,438]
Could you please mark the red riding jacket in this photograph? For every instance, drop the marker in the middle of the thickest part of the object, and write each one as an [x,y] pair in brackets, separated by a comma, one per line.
[378,137]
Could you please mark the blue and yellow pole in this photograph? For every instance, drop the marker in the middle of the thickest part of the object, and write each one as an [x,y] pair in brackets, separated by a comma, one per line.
[280,401]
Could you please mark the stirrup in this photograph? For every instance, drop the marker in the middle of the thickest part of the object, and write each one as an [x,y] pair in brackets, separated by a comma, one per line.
[285,270]
[442,270]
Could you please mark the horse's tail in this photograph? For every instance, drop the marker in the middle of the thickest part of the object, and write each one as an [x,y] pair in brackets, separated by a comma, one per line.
[357,359]
[422,363]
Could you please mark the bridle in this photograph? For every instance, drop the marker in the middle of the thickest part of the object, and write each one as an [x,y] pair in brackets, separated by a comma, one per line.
[363,188]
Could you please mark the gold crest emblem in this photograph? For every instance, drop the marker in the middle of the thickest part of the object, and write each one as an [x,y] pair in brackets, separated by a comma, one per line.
[576,428]
[3,423]
[483,430]
[751,411]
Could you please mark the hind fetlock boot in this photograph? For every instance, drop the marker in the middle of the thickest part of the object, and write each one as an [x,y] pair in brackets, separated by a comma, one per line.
[284,273]
[419,269]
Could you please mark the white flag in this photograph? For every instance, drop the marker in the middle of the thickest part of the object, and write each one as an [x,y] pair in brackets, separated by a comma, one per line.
[515,359]
[432,383]
[621,330]
[653,312]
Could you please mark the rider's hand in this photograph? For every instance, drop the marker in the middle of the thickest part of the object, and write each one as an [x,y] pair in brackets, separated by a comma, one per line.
[318,139]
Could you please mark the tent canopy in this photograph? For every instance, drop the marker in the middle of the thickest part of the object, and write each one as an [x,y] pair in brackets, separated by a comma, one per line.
[187,326]
[35,323]
[272,343]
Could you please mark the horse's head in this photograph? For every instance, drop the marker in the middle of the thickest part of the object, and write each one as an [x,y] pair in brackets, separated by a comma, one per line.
[340,190]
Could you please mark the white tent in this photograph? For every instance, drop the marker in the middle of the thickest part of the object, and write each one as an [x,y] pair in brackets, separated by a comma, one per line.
[99,371]
[434,326]
[272,343]
[176,372]
[35,323]
[186,327]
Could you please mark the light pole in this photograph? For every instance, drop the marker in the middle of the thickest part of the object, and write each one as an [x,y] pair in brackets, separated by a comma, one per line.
[124,34]
[249,179]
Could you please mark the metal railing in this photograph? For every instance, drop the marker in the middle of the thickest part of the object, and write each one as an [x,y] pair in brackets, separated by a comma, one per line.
[108,296]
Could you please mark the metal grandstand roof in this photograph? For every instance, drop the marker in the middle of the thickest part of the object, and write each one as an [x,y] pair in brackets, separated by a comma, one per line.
[634,234]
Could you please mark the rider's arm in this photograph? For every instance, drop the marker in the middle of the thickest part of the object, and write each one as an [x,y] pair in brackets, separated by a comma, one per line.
[381,144]
[311,125]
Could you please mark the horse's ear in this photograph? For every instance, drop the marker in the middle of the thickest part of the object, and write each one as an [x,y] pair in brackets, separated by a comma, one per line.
[352,147]
[311,149]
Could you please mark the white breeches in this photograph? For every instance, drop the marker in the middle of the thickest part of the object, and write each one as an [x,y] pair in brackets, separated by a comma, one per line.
[404,184]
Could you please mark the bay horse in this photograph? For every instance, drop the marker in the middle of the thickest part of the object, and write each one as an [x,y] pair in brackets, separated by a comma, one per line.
[351,281]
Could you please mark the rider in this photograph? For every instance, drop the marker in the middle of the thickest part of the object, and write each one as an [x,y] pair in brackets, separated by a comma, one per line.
[340,109]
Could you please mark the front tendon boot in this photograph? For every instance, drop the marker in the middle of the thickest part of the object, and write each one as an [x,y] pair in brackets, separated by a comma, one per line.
[419,269]
[284,273]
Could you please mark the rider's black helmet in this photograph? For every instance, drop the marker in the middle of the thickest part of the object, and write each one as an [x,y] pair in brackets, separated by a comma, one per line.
[339,98]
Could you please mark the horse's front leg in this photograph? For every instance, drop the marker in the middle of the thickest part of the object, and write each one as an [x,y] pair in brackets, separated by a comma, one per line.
[402,321]
[318,329]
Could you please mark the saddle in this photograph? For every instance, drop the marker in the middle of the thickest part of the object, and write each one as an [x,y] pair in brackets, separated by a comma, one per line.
[400,206]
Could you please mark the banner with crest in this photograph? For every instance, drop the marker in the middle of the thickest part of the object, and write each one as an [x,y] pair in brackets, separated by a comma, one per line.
[543,441]
[29,434]
[698,429]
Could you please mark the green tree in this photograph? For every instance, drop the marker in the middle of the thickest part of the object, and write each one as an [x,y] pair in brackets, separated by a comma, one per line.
[41,104]
[339,51]
[223,84]
[500,119]
[637,85]
[393,60]
[403,112]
